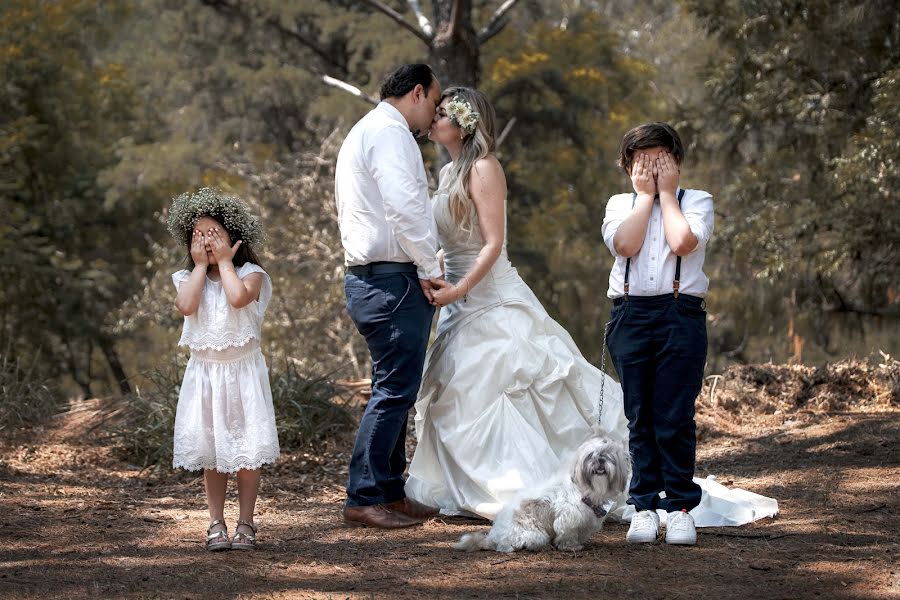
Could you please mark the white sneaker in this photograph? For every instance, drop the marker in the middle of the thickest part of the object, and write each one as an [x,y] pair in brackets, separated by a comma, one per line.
[644,527]
[680,529]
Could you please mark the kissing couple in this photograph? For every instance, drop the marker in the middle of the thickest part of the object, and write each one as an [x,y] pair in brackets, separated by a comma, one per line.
[503,396]
[504,393]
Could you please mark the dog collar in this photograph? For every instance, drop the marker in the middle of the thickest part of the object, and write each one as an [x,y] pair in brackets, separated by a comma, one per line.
[596,508]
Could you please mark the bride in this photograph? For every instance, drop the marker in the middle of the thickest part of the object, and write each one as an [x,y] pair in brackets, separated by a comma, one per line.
[506,394]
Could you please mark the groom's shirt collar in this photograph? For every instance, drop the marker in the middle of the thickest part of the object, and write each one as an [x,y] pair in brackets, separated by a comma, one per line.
[391,111]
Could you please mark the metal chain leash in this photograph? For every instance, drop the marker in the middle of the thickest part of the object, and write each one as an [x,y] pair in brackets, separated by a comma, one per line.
[603,370]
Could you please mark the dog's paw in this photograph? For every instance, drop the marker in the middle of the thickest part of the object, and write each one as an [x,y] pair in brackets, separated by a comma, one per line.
[569,547]
[472,542]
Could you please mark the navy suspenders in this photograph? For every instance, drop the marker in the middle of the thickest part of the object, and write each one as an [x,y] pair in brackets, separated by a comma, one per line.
[675,282]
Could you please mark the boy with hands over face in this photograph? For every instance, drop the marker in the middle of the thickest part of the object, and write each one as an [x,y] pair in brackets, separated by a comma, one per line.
[657,330]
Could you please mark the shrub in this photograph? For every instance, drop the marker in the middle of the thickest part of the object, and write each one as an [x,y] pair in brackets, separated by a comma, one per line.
[144,421]
[307,409]
[24,396]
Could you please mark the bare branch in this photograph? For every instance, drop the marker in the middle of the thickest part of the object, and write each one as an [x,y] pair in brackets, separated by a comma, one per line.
[350,89]
[424,23]
[456,17]
[400,20]
[236,11]
[506,129]
[497,22]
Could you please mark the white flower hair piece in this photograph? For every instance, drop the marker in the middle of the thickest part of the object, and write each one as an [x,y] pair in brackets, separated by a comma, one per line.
[189,207]
[462,113]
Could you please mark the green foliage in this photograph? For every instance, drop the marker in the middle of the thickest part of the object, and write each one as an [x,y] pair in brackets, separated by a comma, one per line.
[108,110]
[62,109]
[800,123]
[866,178]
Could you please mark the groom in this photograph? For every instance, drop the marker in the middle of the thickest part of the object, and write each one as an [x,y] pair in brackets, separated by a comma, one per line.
[390,245]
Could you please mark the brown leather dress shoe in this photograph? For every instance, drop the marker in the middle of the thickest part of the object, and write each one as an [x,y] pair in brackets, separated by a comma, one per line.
[378,515]
[413,508]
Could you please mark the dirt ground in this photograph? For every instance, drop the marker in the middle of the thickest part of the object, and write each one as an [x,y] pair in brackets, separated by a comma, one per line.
[78,522]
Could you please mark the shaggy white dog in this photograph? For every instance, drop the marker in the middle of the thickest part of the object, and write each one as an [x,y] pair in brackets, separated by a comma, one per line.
[567,511]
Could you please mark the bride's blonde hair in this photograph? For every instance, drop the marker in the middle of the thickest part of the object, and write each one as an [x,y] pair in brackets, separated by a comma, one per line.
[476,145]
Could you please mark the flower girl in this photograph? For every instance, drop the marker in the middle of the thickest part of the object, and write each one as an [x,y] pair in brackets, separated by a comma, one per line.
[225,421]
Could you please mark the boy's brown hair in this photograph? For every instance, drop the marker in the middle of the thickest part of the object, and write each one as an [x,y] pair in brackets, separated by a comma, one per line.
[650,135]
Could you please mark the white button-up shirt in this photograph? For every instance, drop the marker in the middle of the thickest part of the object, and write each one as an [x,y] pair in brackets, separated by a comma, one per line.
[381,190]
[653,268]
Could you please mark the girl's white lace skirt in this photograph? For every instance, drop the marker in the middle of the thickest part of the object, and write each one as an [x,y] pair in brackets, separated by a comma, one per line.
[225,419]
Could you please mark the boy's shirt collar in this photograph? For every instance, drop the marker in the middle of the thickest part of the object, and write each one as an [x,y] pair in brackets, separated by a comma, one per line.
[656,197]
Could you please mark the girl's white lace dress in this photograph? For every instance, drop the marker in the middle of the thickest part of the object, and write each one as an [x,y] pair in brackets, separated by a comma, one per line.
[225,420]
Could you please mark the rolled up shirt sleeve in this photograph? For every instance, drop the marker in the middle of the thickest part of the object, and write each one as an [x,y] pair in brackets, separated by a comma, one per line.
[394,157]
[700,217]
[617,211]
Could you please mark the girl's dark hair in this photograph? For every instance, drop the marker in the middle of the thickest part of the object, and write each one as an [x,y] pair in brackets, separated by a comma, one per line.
[650,135]
[244,254]
[403,80]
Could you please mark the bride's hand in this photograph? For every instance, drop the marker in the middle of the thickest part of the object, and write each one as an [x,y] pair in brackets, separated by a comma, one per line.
[428,290]
[443,293]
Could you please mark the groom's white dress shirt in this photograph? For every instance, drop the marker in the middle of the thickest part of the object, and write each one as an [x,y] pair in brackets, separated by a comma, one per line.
[381,190]
[653,268]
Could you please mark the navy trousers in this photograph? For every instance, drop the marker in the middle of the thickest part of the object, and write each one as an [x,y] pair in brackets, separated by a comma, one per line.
[393,315]
[658,346]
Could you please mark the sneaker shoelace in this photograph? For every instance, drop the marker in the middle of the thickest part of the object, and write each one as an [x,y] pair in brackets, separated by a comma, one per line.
[680,522]
[644,520]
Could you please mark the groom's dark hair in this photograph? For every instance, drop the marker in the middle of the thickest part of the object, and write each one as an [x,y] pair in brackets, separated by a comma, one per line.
[403,80]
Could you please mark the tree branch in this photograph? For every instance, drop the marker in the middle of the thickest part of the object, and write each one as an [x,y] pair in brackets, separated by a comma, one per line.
[384,8]
[350,89]
[424,23]
[497,22]
[235,11]
[456,17]
[505,132]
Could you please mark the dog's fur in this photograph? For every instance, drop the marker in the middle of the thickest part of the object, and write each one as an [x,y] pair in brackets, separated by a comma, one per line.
[560,513]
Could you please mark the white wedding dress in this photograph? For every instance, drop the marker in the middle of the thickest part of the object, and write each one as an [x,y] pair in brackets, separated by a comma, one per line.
[506,395]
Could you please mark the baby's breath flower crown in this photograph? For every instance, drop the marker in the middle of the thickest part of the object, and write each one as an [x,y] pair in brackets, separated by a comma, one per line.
[462,113]
[187,209]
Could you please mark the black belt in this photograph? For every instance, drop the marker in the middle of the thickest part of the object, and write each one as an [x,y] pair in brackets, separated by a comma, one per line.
[662,299]
[381,268]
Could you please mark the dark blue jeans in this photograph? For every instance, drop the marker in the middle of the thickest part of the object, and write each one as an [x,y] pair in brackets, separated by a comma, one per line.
[658,346]
[393,315]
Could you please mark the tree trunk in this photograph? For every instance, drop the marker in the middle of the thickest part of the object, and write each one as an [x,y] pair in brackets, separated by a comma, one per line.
[115,365]
[454,52]
[84,382]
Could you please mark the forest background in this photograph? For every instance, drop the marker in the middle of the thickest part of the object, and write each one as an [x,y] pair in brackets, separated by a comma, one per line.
[789,111]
